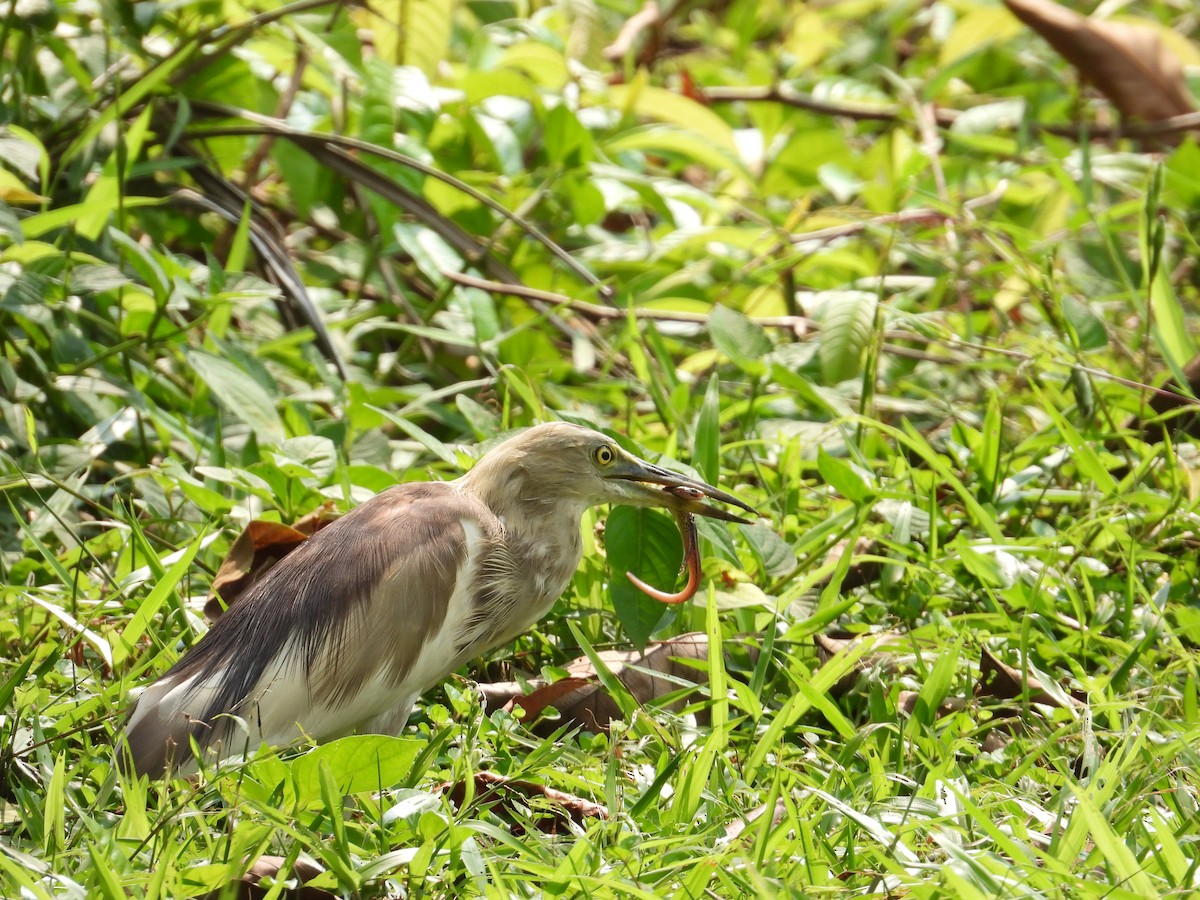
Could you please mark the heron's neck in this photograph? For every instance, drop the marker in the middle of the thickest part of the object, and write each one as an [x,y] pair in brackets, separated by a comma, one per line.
[541,531]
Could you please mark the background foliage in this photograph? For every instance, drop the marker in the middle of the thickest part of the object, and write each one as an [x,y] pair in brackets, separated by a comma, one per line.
[742,235]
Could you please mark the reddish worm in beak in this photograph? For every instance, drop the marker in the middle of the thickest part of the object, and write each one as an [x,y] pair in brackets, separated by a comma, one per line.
[691,553]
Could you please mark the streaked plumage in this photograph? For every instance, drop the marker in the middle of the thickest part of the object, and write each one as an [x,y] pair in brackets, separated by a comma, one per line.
[348,630]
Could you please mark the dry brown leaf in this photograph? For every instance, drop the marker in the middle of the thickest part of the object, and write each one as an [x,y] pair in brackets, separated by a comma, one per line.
[499,794]
[302,871]
[583,701]
[499,694]
[255,551]
[994,740]
[1129,64]
[1002,681]
[906,703]
[547,695]
[735,828]
[887,645]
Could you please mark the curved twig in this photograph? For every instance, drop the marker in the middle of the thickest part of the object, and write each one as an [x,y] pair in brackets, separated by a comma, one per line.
[788,96]
[337,145]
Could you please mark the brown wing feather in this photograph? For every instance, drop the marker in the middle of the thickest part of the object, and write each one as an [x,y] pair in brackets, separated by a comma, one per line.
[316,603]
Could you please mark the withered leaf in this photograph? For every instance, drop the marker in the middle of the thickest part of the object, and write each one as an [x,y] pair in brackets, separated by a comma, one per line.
[1127,63]
[547,695]
[583,701]
[887,646]
[906,703]
[860,573]
[734,829]
[500,794]
[255,551]
[1002,681]
[302,871]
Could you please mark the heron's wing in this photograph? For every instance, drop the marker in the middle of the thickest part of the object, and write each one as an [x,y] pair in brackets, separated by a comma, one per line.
[328,639]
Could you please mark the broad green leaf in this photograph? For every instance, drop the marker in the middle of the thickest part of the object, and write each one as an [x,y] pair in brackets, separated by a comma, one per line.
[775,555]
[23,151]
[239,393]
[847,324]
[664,105]
[359,763]
[737,336]
[670,141]
[139,622]
[706,448]
[646,543]
[567,142]
[844,478]
[980,27]
[1089,329]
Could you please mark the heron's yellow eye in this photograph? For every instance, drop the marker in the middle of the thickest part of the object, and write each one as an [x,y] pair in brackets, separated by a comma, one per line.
[604,455]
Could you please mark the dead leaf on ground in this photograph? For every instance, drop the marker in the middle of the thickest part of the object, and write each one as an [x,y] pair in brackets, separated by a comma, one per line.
[255,551]
[647,675]
[860,573]
[1157,423]
[735,829]
[1001,681]
[302,871]
[501,794]
[994,740]
[1129,64]
[887,649]
[906,704]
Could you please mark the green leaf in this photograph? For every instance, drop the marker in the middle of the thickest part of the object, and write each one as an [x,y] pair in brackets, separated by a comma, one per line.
[239,393]
[419,434]
[988,452]
[937,685]
[668,141]
[706,448]
[1089,330]
[148,608]
[358,763]
[104,197]
[844,478]
[736,336]
[567,142]
[668,106]
[1170,329]
[775,555]
[847,323]
[646,543]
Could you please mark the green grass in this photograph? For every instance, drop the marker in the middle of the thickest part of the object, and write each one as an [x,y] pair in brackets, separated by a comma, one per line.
[945,418]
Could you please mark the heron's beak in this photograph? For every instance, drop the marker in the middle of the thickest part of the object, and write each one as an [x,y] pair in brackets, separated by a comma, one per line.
[678,493]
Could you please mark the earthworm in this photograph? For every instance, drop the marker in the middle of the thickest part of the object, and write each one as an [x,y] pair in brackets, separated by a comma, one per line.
[691,554]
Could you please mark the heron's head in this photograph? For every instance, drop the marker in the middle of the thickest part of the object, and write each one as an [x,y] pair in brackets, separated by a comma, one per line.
[563,463]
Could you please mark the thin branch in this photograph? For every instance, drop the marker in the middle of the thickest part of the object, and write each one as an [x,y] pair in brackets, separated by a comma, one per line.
[342,144]
[852,228]
[788,96]
[781,93]
[596,311]
[646,17]
[797,324]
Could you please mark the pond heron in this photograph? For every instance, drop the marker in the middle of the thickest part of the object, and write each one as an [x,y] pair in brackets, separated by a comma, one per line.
[351,627]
